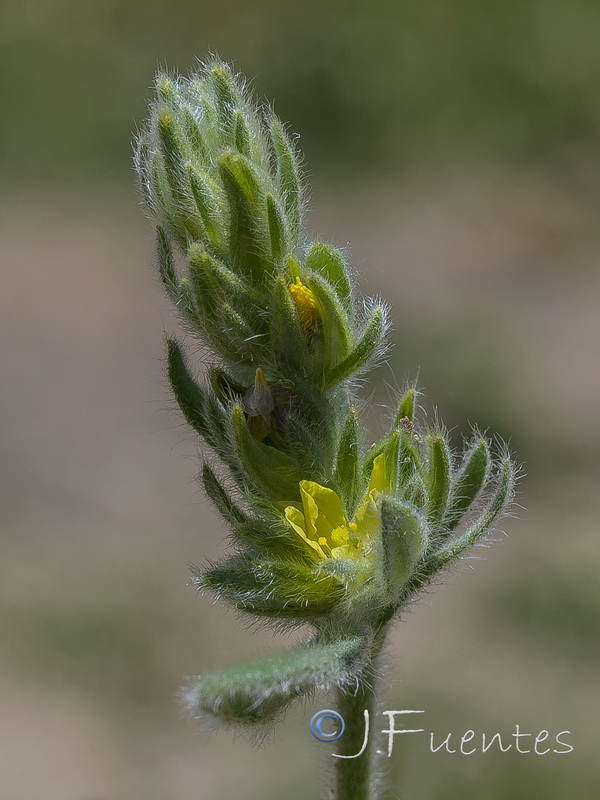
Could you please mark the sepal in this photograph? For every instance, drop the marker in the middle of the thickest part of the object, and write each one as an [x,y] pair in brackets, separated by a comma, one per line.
[172,149]
[404,536]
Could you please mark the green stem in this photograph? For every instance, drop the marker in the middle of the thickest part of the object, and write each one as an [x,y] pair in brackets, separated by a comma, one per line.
[355,778]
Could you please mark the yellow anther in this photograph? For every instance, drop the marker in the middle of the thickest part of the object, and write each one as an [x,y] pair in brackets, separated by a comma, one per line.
[353,526]
[322,540]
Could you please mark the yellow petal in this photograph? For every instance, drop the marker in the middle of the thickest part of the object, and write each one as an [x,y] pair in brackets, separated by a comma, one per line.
[344,551]
[311,510]
[379,480]
[367,517]
[297,520]
[328,502]
[306,306]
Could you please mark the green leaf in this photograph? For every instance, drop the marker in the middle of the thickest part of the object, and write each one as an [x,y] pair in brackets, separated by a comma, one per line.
[277,230]
[406,409]
[438,483]
[172,149]
[241,135]
[191,397]
[205,198]
[201,409]
[250,243]
[361,353]
[392,454]
[335,334]
[409,460]
[195,317]
[259,691]
[287,176]
[347,468]
[226,303]
[163,202]
[273,536]
[224,504]
[497,506]
[272,588]
[273,472]
[166,264]
[375,450]
[469,481]
[227,97]
[329,262]
[310,430]
[224,385]
[288,342]
[194,136]
[225,285]
[142,161]
[166,89]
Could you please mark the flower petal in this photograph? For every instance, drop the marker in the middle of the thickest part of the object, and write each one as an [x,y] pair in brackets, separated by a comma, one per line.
[379,479]
[328,502]
[297,520]
[367,517]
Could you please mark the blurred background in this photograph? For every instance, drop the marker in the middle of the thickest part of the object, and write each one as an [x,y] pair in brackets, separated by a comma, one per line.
[456,146]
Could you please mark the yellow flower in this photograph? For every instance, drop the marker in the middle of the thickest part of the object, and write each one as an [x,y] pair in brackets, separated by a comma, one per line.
[306,306]
[322,522]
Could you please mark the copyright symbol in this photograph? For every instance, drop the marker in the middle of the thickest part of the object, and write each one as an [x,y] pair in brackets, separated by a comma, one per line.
[316,725]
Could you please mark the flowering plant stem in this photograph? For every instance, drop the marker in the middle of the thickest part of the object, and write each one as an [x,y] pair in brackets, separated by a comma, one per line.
[357,777]
[326,533]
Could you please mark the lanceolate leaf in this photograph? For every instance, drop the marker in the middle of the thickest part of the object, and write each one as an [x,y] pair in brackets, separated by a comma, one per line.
[329,262]
[166,264]
[406,409]
[439,477]
[257,692]
[361,353]
[224,504]
[468,483]
[287,174]
[497,506]
[201,409]
[273,472]
[272,588]
[347,468]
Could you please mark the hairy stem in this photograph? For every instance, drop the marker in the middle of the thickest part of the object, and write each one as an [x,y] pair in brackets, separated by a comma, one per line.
[356,775]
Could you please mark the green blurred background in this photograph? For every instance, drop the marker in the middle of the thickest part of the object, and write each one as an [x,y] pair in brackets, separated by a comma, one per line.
[456,145]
